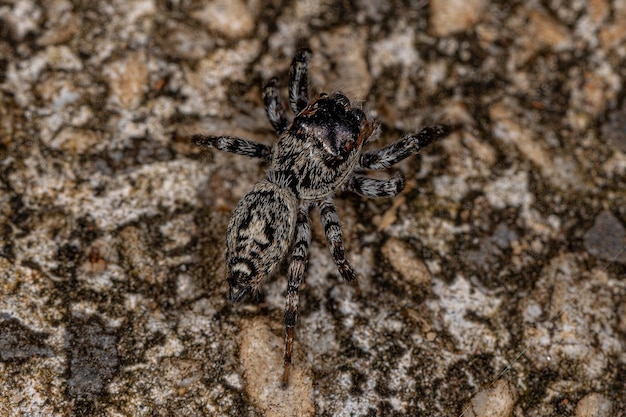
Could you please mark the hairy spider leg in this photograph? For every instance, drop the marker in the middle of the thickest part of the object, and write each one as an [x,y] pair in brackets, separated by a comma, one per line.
[404,147]
[375,188]
[332,229]
[234,145]
[295,275]
[299,80]
[273,106]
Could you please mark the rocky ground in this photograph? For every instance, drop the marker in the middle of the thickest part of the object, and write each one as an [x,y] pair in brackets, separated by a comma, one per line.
[495,284]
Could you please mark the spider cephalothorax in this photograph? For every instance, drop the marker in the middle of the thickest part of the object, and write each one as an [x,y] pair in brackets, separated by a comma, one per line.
[320,147]
[318,153]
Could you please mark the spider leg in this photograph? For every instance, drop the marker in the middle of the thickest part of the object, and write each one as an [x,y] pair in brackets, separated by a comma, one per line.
[295,275]
[299,80]
[375,188]
[273,107]
[234,145]
[334,236]
[404,147]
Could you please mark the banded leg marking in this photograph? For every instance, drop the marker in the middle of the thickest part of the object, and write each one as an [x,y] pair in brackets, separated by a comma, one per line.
[234,145]
[273,106]
[299,81]
[404,147]
[375,188]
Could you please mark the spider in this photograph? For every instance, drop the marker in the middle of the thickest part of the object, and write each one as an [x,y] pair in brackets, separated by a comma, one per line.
[318,153]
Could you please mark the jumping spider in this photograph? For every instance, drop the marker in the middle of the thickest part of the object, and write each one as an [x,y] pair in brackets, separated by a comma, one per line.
[318,153]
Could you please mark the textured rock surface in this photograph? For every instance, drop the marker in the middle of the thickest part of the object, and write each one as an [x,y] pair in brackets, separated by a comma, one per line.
[495,284]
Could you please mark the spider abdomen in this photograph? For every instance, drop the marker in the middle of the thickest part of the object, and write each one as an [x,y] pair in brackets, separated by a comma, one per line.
[258,237]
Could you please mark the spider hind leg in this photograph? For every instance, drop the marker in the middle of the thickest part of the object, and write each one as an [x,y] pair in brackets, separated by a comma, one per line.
[295,275]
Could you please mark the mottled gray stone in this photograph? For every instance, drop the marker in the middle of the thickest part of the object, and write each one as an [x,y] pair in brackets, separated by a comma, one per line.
[614,129]
[19,343]
[607,238]
[93,357]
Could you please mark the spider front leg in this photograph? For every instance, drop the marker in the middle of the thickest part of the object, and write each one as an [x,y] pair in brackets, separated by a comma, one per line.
[332,228]
[406,146]
[234,145]
[273,107]
[375,188]
[299,80]
[295,274]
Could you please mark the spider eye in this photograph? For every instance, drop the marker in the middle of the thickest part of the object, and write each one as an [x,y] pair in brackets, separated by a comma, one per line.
[343,100]
[358,114]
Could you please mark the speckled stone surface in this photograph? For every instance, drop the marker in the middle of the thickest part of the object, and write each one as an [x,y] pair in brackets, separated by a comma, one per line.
[494,285]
